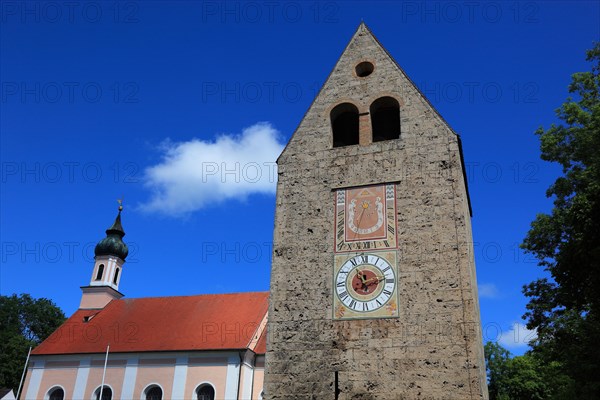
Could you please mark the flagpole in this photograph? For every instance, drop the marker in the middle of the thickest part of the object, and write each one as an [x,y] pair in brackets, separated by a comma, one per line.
[104,372]
[24,370]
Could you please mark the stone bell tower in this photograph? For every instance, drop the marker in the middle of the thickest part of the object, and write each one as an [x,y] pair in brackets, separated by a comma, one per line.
[373,288]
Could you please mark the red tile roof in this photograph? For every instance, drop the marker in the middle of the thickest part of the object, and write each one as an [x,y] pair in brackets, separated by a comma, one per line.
[204,322]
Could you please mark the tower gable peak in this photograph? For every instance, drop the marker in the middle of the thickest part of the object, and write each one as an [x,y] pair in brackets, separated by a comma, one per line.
[364,72]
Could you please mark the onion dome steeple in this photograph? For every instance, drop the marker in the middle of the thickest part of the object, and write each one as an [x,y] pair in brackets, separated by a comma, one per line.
[108,264]
[112,244]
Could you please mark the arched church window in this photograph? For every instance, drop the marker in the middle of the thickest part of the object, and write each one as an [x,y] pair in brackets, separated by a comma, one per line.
[100,272]
[106,394]
[57,394]
[344,123]
[116,275]
[154,393]
[206,392]
[385,119]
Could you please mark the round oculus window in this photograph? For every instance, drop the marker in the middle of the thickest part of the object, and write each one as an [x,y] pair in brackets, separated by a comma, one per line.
[364,69]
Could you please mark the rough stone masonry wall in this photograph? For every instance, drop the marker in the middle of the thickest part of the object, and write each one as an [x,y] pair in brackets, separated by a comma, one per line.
[433,350]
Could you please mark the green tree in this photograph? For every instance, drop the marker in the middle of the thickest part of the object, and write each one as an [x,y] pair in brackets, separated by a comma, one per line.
[496,360]
[25,322]
[525,377]
[565,309]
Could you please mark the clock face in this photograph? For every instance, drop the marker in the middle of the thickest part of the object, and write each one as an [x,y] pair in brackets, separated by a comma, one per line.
[365,286]
[366,218]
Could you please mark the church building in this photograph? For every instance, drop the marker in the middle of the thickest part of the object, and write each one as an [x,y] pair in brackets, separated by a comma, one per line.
[373,291]
[183,347]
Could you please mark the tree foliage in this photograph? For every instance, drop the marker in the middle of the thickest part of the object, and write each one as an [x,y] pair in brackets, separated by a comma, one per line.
[565,309]
[496,360]
[525,377]
[25,322]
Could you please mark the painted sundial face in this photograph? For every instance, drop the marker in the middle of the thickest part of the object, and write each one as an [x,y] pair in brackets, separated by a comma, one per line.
[365,215]
[366,218]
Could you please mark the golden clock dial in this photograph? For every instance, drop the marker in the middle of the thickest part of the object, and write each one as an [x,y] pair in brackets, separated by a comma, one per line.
[365,285]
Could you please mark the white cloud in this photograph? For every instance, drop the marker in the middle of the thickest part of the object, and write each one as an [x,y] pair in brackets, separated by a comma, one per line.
[487,291]
[198,173]
[517,336]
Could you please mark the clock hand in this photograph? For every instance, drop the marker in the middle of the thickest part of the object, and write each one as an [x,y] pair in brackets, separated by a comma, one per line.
[376,279]
[360,274]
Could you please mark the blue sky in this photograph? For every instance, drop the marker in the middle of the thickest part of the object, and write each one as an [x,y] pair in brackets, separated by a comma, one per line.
[103,100]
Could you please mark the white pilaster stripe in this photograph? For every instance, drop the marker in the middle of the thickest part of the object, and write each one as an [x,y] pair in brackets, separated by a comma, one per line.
[129,378]
[179,378]
[82,377]
[248,373]
[34,382]
[233,376]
